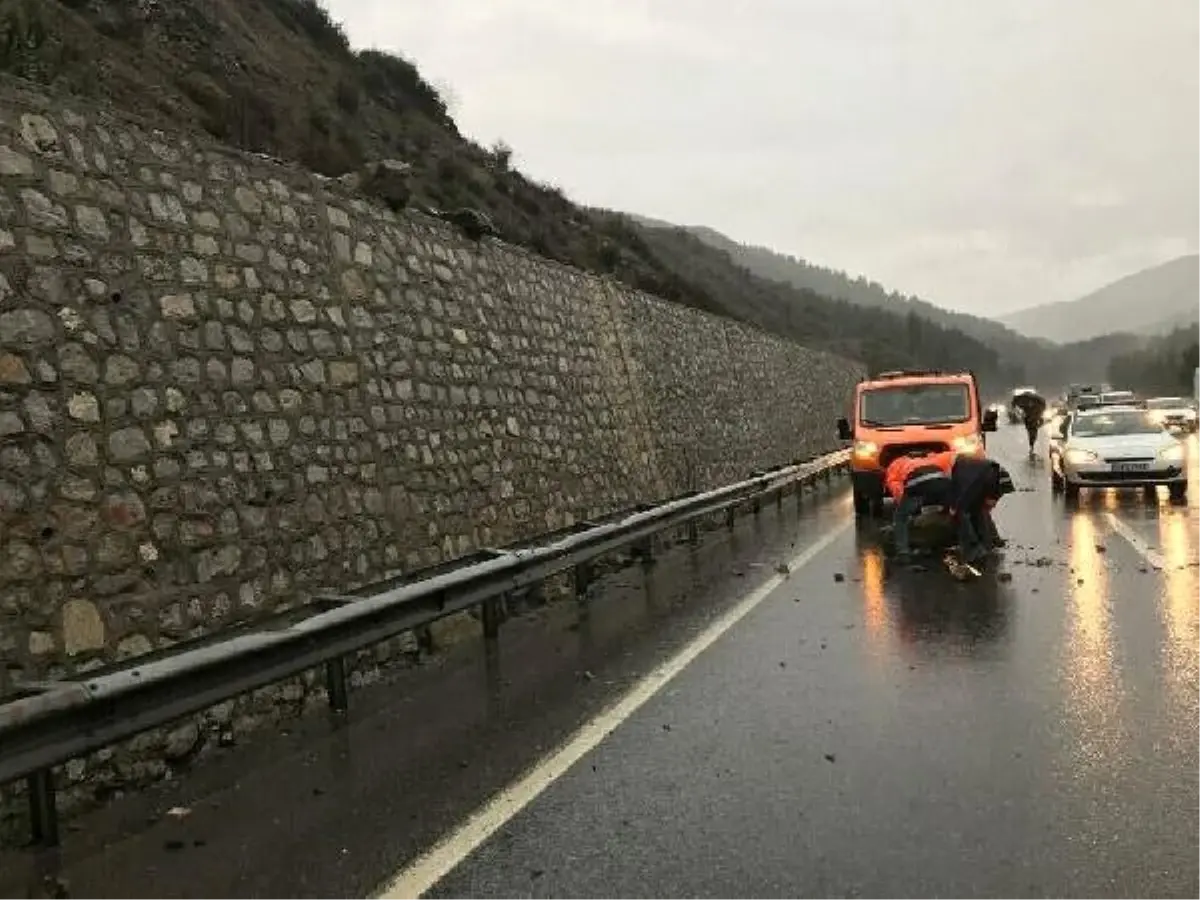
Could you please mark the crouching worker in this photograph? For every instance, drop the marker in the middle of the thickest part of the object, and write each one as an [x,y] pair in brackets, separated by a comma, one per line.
[977,484]
[914,482]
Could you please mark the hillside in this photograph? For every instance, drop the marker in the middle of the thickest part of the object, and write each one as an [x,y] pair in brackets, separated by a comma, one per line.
[279,77]
[1162,365]
[860,291]
[1151,301]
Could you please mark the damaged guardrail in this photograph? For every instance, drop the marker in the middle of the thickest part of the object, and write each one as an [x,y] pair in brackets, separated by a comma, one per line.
[48,723]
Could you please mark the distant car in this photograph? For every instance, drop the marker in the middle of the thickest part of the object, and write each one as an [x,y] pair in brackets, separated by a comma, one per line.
[1118,398]
[1175,413]
[1116,446]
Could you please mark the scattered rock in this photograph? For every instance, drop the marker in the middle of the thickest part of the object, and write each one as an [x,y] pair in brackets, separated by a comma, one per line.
[1004,577]
[1079,581]
[782,569]
[831,757]
[173,844]
[839,577]
[1100,548]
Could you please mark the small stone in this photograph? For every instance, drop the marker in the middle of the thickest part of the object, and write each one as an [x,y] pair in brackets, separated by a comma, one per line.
[177,306]
[40,413]
[126,444]
[43,212]
[26,328]
[133,645]
[10,423]
[120,369]
[205,245]
[92,222]
[342,373]
[193,270]
[84,407]
[13,370]
[82,627]
[39,135]
[14,163]
[839,577]
[41,643]
[63,183]
[81,451]
[247,200]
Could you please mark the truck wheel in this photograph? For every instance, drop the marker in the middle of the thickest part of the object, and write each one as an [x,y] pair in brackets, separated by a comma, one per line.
[1071,490]
[862,505]
[1179,492]
[1056,482]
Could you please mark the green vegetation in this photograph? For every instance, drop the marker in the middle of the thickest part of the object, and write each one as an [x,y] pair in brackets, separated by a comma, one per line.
[1165,365]
[280,77]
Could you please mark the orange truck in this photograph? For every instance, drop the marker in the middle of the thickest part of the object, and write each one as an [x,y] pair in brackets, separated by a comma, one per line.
[898,412]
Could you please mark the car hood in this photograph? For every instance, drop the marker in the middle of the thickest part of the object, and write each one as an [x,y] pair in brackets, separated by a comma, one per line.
[1124,444]
[1173,411]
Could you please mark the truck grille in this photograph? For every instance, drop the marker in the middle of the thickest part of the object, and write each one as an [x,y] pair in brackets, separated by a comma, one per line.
[891,451]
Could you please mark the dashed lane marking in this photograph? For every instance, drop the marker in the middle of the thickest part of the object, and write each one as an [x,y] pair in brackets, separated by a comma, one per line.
[1137,542]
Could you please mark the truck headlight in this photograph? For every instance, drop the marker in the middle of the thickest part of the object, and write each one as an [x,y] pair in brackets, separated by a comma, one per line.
[967,443]
[1157,415]
[1078,457]
[866,449]
[1190,415]
[1174,453]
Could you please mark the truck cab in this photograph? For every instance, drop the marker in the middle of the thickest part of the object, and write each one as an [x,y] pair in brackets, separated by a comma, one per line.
[895,413]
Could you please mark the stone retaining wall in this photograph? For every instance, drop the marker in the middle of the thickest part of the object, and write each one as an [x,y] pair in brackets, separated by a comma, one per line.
[226,383]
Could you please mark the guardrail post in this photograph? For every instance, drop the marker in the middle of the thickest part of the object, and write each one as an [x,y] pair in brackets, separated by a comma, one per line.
[43,810]
[583,579]
[756,506]
[335,684]
[693,532]
[730,517]
[779,499]
[491,618]
[645,550]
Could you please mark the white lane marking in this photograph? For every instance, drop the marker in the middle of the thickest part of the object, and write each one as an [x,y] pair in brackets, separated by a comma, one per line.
[415,879]
[1136,541]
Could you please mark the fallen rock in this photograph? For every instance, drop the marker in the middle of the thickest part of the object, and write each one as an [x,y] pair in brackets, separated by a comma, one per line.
[1004,576]
[473,223]
[839,577]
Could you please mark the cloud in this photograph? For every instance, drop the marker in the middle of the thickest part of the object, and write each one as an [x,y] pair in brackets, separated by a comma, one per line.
[968,152]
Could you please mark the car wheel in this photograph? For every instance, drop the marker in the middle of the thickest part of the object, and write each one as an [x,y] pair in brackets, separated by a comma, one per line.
[1071,490]
[1179,492]
[1056,482]
[1150,492]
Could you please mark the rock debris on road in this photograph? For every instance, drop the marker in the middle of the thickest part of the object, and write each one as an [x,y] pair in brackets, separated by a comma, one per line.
[861,730]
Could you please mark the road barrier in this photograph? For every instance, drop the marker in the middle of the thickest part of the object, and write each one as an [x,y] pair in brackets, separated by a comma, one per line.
[45,724]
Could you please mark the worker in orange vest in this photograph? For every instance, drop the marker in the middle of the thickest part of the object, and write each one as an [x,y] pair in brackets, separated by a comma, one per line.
[914,482]
[969,486]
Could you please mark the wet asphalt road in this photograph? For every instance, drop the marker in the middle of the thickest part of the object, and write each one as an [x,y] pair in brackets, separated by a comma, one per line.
[891,733]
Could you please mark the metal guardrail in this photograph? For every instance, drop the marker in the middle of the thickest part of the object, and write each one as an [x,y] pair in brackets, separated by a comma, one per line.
[48,723]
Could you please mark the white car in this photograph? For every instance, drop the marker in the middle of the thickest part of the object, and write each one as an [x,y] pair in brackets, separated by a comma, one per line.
[1173,412]
[1116,446]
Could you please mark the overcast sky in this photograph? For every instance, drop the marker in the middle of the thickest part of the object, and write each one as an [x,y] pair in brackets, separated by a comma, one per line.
[984,155]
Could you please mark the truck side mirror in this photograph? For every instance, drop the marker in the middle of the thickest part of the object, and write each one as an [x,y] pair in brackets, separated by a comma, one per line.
[989,420]
[845,433]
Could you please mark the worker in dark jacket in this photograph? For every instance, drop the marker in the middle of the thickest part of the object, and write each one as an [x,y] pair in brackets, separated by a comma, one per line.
[914,482]
[1033,409]
[977,484]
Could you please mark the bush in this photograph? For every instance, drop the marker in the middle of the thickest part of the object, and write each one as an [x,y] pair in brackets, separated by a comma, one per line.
[394,82]
[309,17]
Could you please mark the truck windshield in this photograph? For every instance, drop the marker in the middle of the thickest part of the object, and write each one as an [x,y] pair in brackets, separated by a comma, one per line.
[915,404]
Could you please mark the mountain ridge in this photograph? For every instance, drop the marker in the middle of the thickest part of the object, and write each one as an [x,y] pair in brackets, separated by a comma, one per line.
[1171,289]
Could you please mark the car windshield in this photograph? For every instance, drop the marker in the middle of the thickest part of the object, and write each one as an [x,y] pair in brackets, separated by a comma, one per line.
[1166,403]
[1118,422]
[915,404]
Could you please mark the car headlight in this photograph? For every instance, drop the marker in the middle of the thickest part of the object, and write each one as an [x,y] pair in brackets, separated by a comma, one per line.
[1174,453]
[1078,457]
[1157,415]
[967,443]
[866,449]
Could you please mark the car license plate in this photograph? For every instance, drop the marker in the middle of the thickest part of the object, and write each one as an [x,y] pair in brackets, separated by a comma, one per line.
[1130,467]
